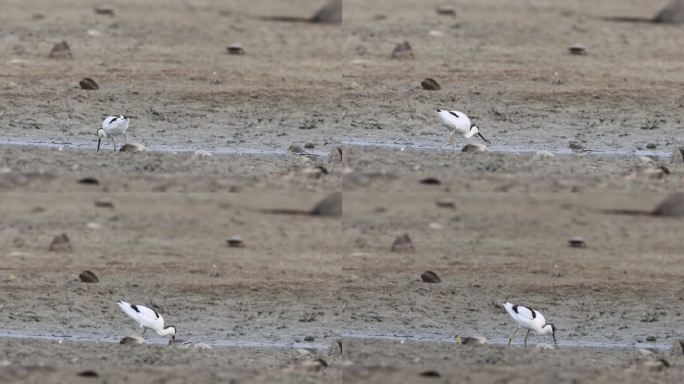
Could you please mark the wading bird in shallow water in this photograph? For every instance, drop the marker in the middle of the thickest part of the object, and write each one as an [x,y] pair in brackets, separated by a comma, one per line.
[459,122]
[147,318]
[113,126]
[531,319]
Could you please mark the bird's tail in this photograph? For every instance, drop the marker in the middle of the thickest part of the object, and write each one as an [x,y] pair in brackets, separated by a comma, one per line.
[126,308]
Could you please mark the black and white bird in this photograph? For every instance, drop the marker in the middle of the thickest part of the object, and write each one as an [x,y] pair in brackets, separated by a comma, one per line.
[148,318]
[112,126]
[459,122]
[531,319]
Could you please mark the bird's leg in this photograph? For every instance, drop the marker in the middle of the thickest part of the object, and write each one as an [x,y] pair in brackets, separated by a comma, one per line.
[451,141]
[113,143]
[526,336]
[512,336]
[143,332]
[125,138]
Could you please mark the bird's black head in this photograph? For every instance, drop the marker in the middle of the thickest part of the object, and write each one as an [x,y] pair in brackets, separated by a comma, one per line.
[173,335]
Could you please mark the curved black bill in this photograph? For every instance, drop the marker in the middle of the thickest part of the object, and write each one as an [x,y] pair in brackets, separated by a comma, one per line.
[99,140]
[555,343]
[483,139]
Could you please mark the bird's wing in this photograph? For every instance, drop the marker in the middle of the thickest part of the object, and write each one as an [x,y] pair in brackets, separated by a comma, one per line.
[143,315]
[528,314]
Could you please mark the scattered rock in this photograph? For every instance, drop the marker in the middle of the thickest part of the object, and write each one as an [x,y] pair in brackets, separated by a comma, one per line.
[539,155]
[104,203]
[431,181]
[104,10]
[88,373]
[88,84]
[235,242]
[314,365]
[575,146]
[430,84]
[446,203]
[88,277]
[316,172]
[61,243]
[655,365]
[657,173]
[651,146]
[651,339]
[577,49]
[430,373]
[403,243]
[331,12]
[678,347]
[61,51]
[132,147]
[202,153]
[678,155]
[309,338]
[543,347]
[331,205]
[474,148]
[236,49]
[446,10]
[309,146]
[471,340]
[577,242]
[430,277]
[672,206]
[88,181]
[673,13]
[132,340]
[403,51]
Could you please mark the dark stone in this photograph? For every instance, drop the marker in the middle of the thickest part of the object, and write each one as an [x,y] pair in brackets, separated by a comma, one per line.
[61,243]
[672,206]
[88,373]
[673,13]
[88,84]
[89,181]
[430,84]
[431,181]
[88,277]
[430,277]
[61,51]
[403,51]
[403,243]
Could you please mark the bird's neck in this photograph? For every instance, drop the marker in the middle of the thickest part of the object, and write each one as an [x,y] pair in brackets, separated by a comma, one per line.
[471,132]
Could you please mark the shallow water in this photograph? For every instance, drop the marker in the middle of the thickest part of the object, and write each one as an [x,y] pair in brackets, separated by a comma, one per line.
[506,149]
[574,344]
[227,343]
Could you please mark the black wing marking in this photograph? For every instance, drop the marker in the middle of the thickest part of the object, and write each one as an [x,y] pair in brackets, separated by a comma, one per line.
[155,312]
[135,308]
[532,311]
[113,119]
[457,116]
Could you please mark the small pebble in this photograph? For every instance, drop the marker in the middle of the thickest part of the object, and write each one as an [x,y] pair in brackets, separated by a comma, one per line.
[471,340]
[104,203]
[235,242]
[651,146]
[403,51]
[431,181]
[430,277]
[236,49]
[132,147]
[88,373]
[446,10]
[132,340]
[104,10]
[474,148]
[89,181]
[202,153]
[577,242]
[88,84]
[430,84]
[88,277]
[403,243]
[61,243]
[577,49]
[330,206]
[446,203]
[61,51]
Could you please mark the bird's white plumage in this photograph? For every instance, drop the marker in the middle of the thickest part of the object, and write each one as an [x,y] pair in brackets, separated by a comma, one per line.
[147,318]
[458,122]
[113,126]
[531,319]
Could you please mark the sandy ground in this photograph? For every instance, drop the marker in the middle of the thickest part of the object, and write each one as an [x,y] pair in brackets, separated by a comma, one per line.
[304,283]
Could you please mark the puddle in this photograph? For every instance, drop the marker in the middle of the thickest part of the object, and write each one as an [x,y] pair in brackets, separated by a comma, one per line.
[227,343]
[217,151]
[575,344]
[506,149]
